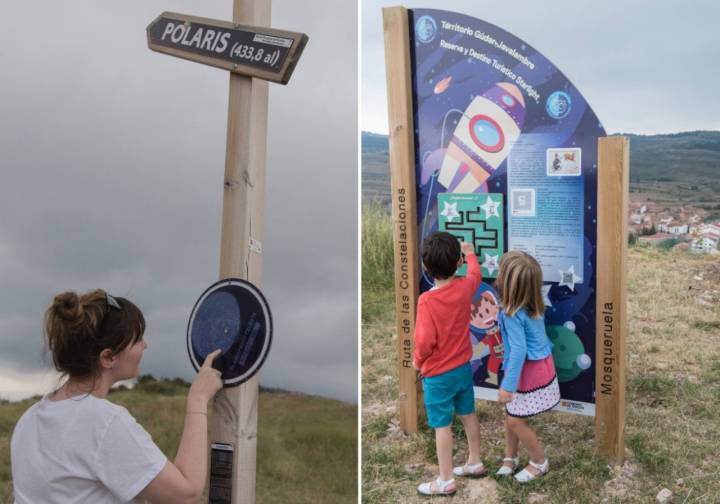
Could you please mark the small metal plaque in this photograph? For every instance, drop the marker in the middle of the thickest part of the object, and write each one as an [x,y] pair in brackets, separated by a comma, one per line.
[221,473]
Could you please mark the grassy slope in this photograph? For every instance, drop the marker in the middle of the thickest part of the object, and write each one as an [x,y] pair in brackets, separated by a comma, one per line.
[307,446]
[673,396]
[678,156]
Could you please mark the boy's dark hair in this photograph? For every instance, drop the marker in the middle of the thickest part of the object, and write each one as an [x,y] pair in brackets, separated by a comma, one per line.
[440,255]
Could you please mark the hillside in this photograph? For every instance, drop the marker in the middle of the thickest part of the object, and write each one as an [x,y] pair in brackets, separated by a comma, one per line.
[673,169]
[374,170]
[672,408]
[302,440]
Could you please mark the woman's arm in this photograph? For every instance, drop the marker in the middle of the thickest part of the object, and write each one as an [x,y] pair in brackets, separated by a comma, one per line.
[474,272]
[184,481]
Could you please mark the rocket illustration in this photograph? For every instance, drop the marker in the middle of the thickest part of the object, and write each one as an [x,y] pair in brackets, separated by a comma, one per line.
[483,138]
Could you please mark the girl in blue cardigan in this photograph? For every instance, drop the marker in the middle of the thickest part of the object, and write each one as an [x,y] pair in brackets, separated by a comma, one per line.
[530,384]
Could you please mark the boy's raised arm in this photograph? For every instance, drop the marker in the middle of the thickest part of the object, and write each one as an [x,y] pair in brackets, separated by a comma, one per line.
[474,273]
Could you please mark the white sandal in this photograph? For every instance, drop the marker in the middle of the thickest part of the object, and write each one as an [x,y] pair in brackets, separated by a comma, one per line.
[505,470]
[524,476]
[470,470]
[442,487]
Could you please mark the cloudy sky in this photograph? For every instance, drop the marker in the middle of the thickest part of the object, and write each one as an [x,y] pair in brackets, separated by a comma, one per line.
[112,162]
[644,66]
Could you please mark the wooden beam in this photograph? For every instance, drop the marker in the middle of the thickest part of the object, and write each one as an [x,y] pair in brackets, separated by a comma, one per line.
[404,211]
[234,418]
[611,355]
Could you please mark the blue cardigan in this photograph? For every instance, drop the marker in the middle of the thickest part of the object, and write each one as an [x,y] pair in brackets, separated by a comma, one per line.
[524,338]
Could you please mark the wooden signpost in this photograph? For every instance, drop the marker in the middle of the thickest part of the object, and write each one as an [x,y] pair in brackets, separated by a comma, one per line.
[612,198]
[611,311]
[254,54]
[404,210]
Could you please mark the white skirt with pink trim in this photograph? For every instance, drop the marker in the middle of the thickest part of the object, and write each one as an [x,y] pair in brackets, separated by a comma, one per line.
[538,389]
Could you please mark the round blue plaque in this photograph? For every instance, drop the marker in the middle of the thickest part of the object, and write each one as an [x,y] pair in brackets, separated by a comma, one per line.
[232,315]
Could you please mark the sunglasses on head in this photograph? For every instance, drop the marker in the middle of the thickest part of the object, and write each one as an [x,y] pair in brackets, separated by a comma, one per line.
[112,302]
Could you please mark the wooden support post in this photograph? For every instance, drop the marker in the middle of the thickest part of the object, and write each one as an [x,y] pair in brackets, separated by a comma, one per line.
[235,409]
[612,237]
[404,211]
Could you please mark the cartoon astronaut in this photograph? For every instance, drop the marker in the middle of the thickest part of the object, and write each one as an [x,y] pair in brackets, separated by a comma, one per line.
[483,138]
[483,317]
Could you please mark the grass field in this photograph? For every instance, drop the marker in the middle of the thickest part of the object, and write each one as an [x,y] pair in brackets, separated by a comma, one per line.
[307,446]
[673,396]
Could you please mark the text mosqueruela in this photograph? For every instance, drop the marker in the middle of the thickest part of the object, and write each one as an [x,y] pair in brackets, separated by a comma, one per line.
[608,350]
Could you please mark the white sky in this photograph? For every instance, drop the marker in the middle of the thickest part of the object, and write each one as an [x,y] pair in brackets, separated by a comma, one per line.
[644,66]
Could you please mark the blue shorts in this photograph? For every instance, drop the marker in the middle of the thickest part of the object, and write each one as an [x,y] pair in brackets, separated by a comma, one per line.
[449,393]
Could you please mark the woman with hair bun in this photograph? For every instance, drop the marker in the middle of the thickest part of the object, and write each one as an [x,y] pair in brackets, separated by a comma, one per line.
[76,446]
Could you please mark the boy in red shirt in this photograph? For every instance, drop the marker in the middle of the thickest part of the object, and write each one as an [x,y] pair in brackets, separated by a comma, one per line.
[442,355]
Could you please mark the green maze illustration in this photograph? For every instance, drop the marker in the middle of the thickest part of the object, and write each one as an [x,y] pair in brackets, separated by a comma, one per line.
[477,219]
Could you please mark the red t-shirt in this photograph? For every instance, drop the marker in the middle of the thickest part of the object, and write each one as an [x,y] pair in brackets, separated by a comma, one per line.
[442,341]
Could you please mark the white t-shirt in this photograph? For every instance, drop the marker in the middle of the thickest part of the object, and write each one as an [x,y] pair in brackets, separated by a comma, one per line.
[81,450]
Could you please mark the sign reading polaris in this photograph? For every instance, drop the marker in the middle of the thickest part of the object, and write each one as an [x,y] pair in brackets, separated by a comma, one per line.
[262,52]
[231,315]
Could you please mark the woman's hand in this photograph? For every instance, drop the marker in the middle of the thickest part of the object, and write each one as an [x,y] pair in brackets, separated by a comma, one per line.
[206,384]
[504,396]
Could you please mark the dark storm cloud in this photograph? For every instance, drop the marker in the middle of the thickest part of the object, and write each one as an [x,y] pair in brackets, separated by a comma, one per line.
[112,160]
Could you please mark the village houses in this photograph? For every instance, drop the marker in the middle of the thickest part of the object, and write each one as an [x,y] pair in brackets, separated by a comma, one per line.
[653,224]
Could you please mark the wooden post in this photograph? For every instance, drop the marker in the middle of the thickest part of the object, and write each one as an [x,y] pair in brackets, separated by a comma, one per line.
[404,211]
[234,418]
[611,356]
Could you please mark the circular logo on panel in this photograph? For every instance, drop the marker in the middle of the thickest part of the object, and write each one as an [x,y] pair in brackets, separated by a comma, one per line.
[425,29]
[558,104]
[232,315]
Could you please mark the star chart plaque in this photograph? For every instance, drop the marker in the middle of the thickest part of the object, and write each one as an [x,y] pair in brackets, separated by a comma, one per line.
[234,316]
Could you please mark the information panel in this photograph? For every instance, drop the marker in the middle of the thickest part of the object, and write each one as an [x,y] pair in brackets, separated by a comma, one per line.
[497,124]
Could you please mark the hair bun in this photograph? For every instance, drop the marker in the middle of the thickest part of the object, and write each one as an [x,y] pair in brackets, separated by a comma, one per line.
[67,306]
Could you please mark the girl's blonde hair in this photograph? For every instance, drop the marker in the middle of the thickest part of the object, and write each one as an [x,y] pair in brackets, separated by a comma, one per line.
[519,281]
